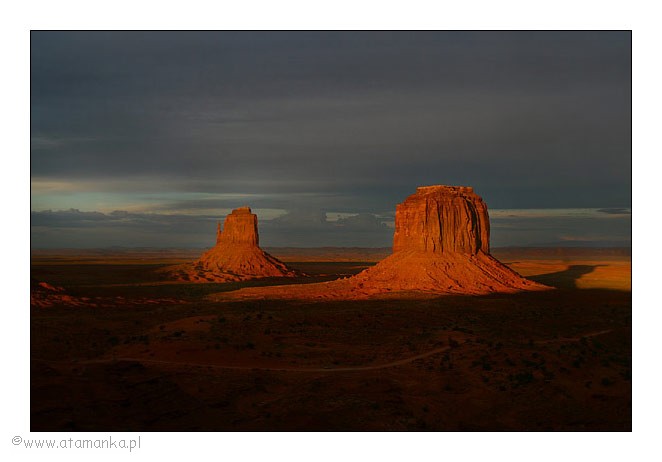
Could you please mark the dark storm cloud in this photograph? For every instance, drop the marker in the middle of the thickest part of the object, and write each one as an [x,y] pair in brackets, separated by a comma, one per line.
[73,228]
[310,228]
[616,211]
[560,228]
[318,202]
[358,112]
[348,122]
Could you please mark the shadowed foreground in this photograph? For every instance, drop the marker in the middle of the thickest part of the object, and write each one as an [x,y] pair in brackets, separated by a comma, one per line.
[553,360]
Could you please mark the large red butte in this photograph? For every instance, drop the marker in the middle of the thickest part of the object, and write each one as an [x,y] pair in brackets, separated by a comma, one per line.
[442,244]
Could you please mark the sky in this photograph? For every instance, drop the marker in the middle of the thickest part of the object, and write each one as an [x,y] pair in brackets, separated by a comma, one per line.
[149,138]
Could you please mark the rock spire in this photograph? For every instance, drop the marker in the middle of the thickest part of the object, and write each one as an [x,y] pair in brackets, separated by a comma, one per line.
[236,255]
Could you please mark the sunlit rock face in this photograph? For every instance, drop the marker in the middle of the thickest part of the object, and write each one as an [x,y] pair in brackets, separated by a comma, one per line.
[236,255]
[442,244]
[442,219]
[440,247]
[239,229]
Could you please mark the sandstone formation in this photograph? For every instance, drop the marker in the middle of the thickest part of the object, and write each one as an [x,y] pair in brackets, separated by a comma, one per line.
[440,246]
[236,255]
[45,295]
[442,219]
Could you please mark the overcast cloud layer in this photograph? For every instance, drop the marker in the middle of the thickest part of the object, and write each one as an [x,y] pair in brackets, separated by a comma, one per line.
[312,126]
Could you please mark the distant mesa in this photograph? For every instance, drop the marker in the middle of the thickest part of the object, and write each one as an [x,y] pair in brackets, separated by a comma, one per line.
[45,295]
[441,245]
[236,255]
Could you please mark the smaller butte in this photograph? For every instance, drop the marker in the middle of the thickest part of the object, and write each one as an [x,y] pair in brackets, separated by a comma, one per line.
[237,255]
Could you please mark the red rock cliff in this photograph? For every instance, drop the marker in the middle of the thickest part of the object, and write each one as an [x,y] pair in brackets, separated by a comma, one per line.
[239,229]
[441,244]
[442,219]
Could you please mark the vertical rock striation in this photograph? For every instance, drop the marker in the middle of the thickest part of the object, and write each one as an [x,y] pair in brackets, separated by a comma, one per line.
[239,229]
[442,219]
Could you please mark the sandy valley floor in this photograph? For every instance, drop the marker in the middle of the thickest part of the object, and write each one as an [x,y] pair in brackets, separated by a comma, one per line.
[140,353]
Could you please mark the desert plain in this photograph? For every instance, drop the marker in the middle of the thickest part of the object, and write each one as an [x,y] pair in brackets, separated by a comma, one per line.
[117,346]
